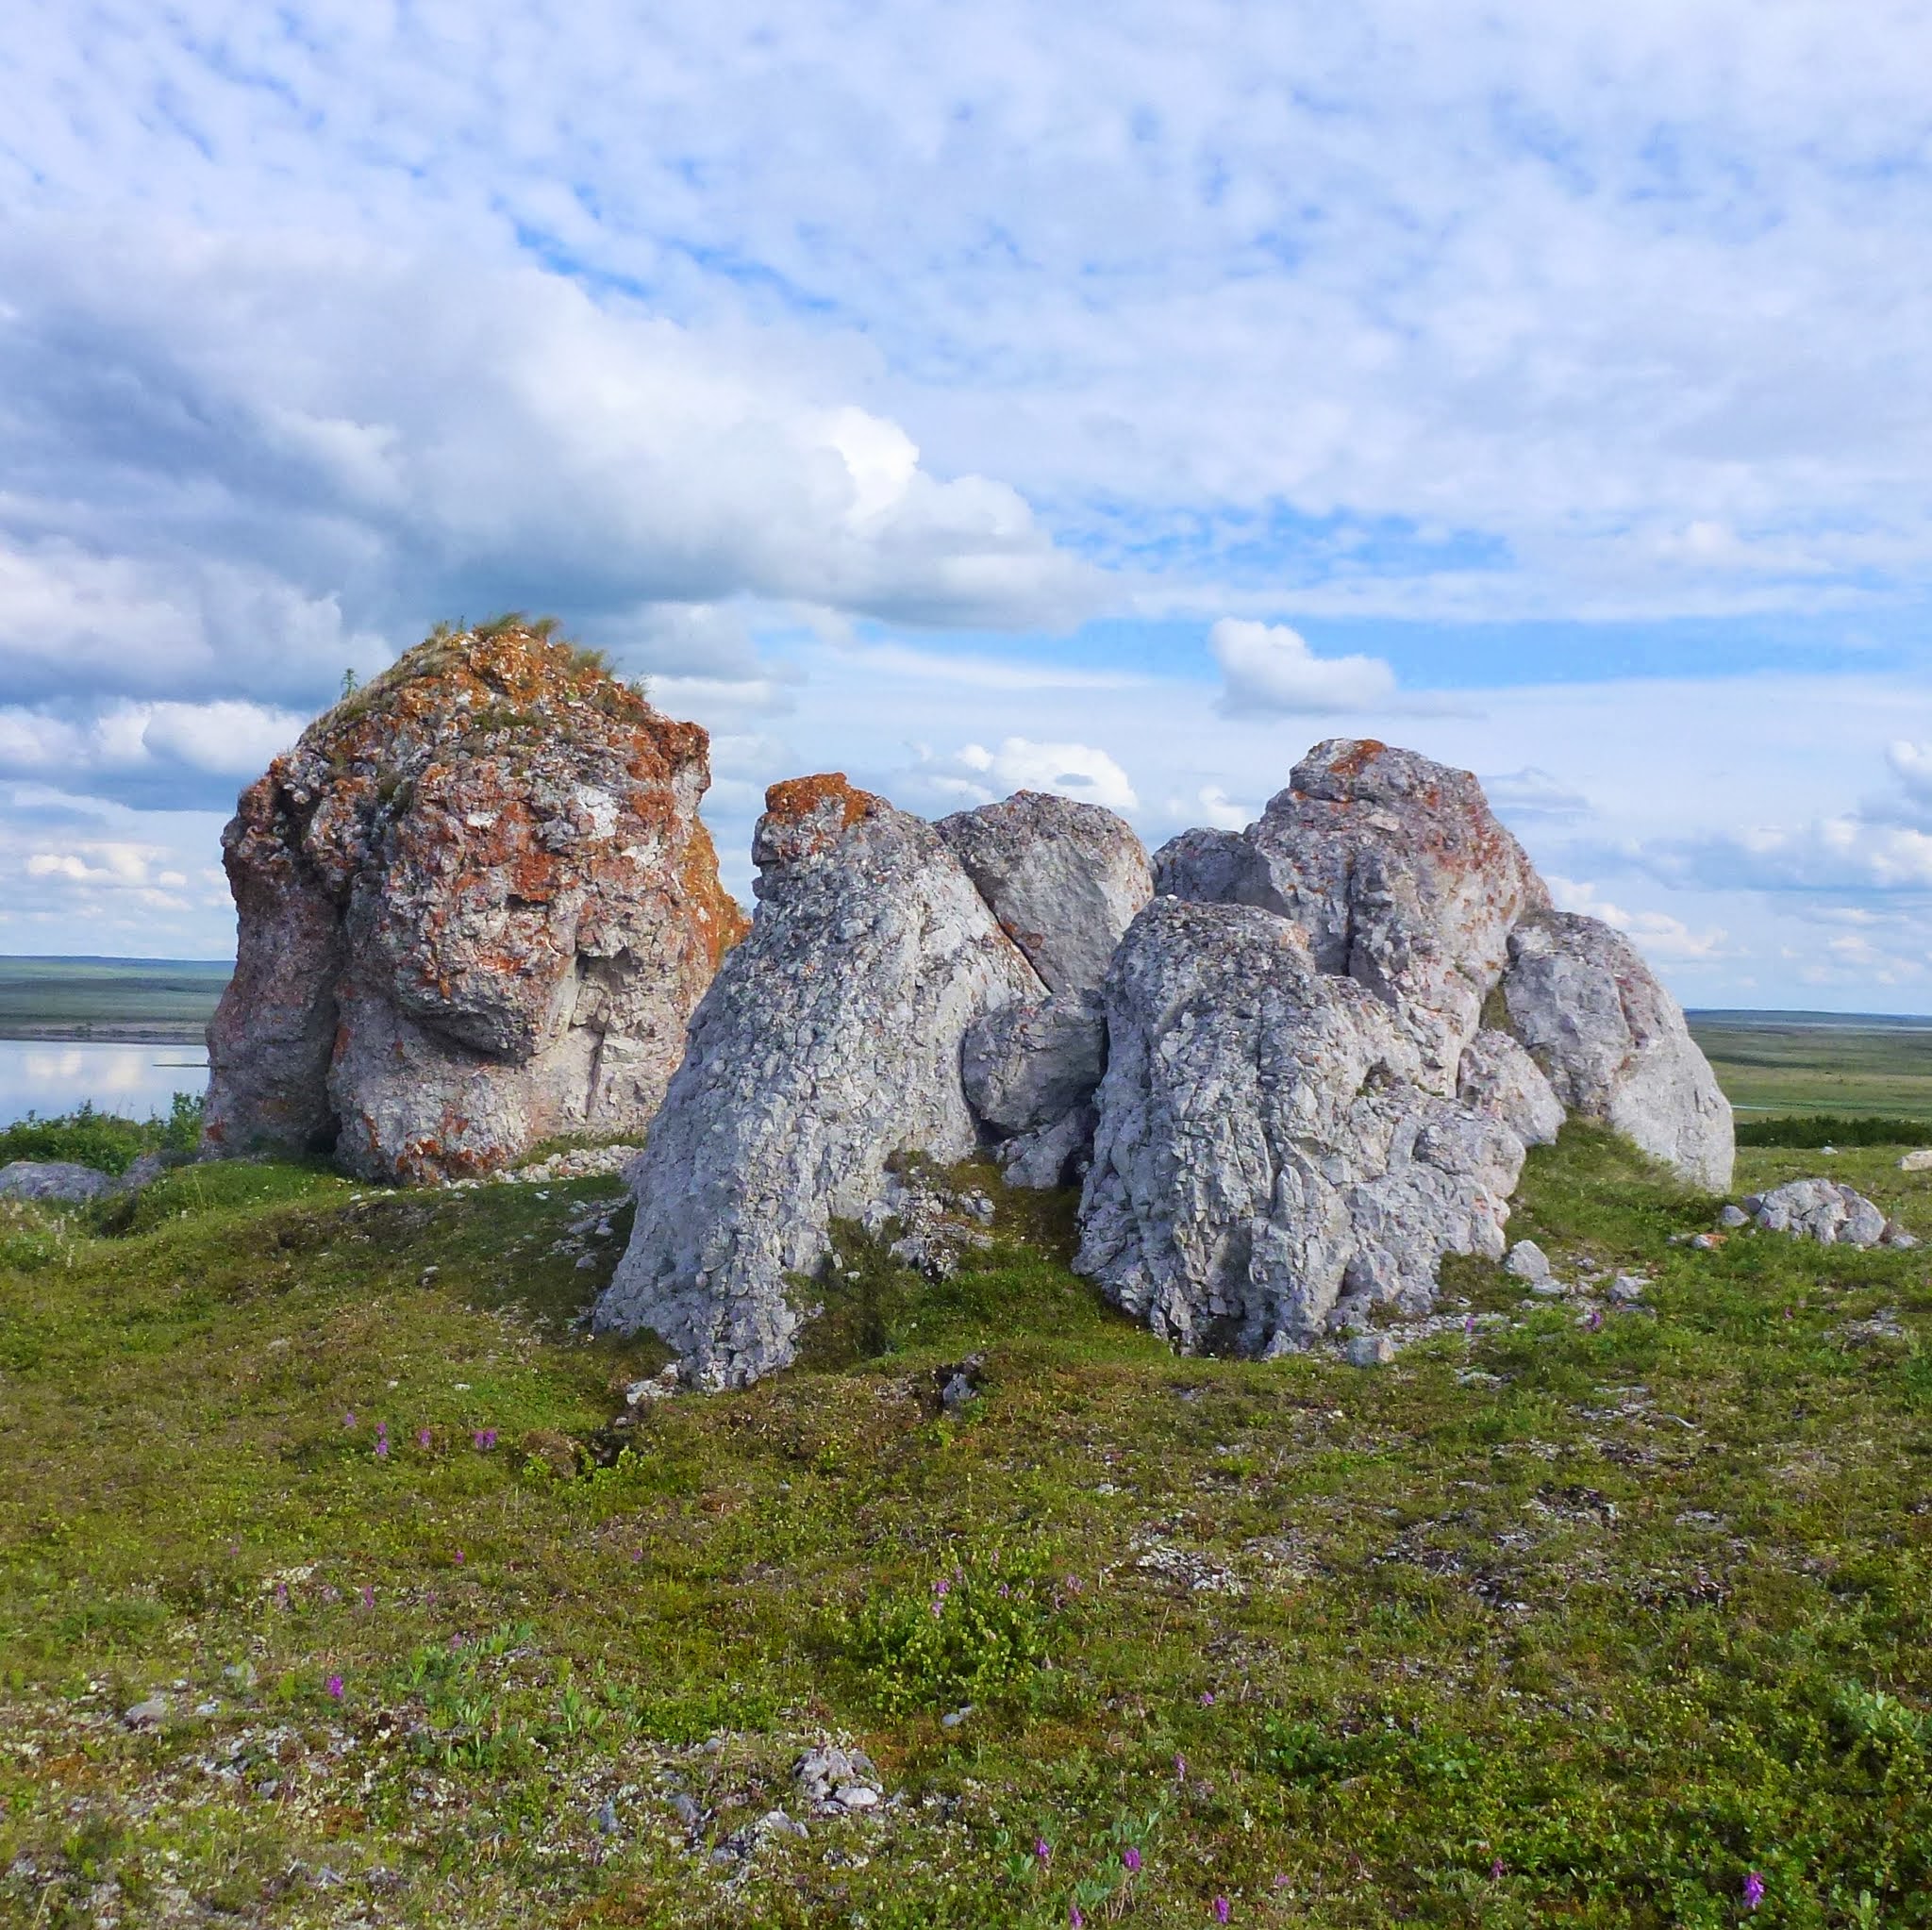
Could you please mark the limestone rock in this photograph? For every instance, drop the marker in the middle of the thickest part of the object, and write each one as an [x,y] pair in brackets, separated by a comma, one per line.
[1031,1072]
[1064,880]
[1498,1077]
[1398,871]
[1026,1066]
[1918,1161]
[1266,1144]
[830,1039]
[1526,1260]
[1826,1211]
[52,1179]
[476,908]
[1614,1043]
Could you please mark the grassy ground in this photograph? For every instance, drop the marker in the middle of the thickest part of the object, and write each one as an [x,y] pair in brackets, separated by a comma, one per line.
[1773,1062]
[1551,1624]
[141,999]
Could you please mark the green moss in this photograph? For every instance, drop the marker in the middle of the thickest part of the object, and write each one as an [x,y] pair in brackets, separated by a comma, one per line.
[1550,1626]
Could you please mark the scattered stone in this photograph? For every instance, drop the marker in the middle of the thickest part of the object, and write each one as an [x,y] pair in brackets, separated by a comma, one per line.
[927,1224]
[1527,1261]
[1265,1143]
[1614,1043]
[1705,1242]
[1064,880]
[829,1041]
[1628,1287]
[658,1387]
[1733,1217]
[1919,1161]
[837,1781]
[952,1719]
[1826,1211]
[685,1808]
[1370,1350]
[477,907]
[150,1714]
[608,1824]
[582,1162]
[62,1180]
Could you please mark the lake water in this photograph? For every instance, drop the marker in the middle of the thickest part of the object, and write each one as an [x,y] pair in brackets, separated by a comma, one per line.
[55,1075]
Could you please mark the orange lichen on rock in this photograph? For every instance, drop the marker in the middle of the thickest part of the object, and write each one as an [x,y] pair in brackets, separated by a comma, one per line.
[476,908]
[803,797]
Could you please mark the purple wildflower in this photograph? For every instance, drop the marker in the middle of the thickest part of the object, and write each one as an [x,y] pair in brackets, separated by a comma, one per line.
[423,1438]
[382,1441]
[1043,1850]
[1495,1868]
[460,1557]
[1280,1879]
[1753,1890]
[368,1596]
[1130,1860]
[1469,1327]
[281,1594]
[486,1440]
[335,1688]
[348,1419]
[1595,1319]
[1180,1769]
[1222,1910]
[1074,1918]
[1206,1698]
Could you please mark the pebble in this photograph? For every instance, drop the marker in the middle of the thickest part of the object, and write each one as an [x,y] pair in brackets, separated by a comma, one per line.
[150,1714]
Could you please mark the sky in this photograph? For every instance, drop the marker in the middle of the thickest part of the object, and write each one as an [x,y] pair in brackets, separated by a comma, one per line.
[1115,399]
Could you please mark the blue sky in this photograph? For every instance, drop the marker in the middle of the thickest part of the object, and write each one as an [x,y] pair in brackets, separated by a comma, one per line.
[1115,398]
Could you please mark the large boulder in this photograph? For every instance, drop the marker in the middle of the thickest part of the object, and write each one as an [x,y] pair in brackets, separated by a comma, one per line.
[1499,1077]
[1268,1154]
[1398,871]
[1064,879]
[477,907]
[830,1040]
[1613,1044]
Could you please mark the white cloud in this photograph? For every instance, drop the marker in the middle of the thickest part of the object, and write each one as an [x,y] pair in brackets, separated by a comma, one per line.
[1657,934]
[1269,668]
[973,775]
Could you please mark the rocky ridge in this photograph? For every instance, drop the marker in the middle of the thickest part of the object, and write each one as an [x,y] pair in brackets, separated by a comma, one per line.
[477,907]
[1288,1082]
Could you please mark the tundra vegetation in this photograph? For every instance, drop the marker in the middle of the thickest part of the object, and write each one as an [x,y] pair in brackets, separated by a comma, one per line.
[330,1594]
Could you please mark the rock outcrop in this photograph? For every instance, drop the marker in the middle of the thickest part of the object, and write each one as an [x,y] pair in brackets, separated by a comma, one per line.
[476,908]
[1064,880]
[1397,871]
[1268,1154]
[830,1040]
[1499,1077]
[1614,1043]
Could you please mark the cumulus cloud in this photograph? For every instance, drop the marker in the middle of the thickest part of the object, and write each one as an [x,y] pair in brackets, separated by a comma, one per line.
[1533,793]
[1657,934]
[165,753]
[1269,668]
[975,775]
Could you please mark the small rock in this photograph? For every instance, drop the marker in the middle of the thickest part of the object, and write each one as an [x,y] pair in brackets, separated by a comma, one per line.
[1548,1288]
[686,1810]
[1919,1161]
[657,1387]
[1527,1261]
[1627,1287]
[776,1822]
[956,1392]
[954,1718]
[1734,1216]
[1370,1350]
[52,1179]
[1706,1243]
[1830,1152]
[150,1714]
[836,1779]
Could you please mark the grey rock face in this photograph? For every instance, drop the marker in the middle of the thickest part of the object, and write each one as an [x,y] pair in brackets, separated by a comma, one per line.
[1064,879]
[1030,1071]
[1498,1077]
[1026,1066]
[1398,871]
[1614,1043]
[830,1039]
[477,907]
[1824,1210]
[52,1179]
[1266,1144]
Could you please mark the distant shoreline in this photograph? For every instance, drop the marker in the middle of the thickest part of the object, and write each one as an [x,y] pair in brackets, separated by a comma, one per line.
[160,1032]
